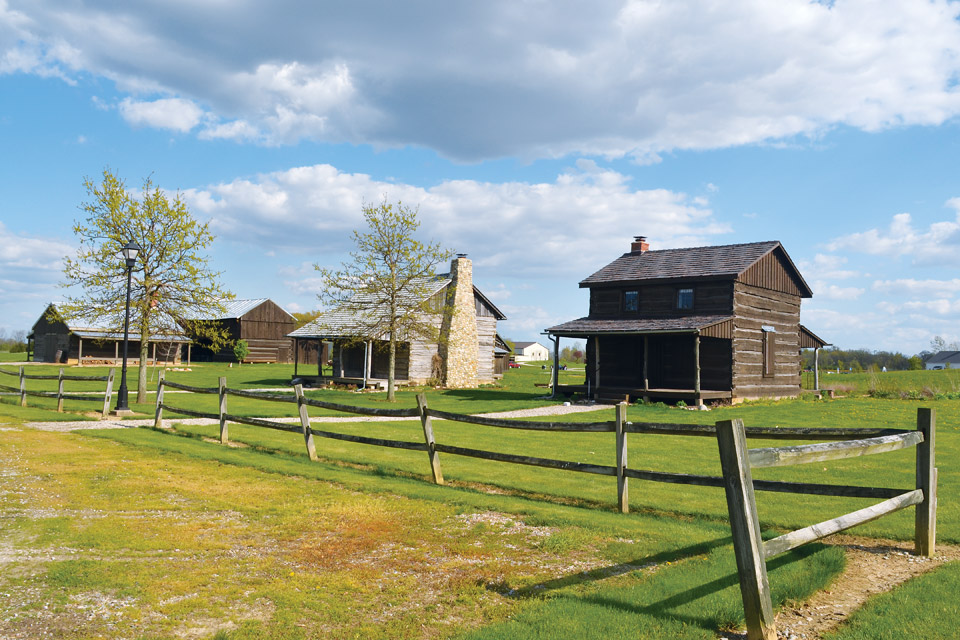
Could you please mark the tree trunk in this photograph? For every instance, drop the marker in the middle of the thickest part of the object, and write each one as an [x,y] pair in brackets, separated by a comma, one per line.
[391,395]
[144,354]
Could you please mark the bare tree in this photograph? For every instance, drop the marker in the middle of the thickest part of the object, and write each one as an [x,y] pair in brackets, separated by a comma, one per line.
[385,288]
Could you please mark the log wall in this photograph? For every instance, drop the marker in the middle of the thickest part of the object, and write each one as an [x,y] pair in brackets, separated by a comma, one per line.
[754,308]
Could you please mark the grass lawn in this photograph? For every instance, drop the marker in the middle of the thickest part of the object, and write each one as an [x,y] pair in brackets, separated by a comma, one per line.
[161,533]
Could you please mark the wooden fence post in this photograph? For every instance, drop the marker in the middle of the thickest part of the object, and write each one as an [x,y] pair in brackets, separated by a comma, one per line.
[925,533]
[428,438]
[60,391]
[623,501]
[747,543]
[23,389]
[305,423]
[158,418]
[108,392]
[224,439]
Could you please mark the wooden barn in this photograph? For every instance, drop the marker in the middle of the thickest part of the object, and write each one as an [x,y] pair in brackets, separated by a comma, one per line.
[364,360]
[261,322]
[693,324]
[86,341]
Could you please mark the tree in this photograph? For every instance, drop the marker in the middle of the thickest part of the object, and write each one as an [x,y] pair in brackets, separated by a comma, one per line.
[303,317]
[240,351]
[386,286]
[172,280]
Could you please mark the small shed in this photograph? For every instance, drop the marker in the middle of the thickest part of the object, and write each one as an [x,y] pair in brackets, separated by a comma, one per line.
[86,341]
[261,322]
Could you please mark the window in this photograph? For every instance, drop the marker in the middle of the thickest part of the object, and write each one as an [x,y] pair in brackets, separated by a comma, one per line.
[769,349]
[685,299]
[631,301]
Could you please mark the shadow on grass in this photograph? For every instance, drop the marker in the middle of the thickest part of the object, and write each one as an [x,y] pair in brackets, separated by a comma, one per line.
[612,571]
[661,609]
[490,395]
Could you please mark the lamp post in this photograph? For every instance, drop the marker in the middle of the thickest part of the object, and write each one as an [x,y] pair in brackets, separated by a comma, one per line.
[129,251]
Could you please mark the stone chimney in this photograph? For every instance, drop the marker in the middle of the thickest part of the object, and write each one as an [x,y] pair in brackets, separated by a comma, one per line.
[458,345]
[639,245]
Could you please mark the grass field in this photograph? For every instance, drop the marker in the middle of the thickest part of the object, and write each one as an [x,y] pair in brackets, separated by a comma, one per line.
[144,533]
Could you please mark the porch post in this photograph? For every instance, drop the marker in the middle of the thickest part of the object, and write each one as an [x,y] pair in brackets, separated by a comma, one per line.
[816,368]
[596,366]
[116,351]
[79,353]
[296,355]
[646,351]
[366,363]
[556,366]
[696,370]
[189,353]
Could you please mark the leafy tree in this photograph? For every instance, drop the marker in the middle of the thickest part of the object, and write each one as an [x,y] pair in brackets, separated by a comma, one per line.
[916,363]
[240,351]
[386,285]
[172,280]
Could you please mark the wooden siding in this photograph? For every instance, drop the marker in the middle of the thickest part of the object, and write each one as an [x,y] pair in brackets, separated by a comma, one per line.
[267,321]
[50,337]
[772,272]
[486,332]
[660,300]
[756,307]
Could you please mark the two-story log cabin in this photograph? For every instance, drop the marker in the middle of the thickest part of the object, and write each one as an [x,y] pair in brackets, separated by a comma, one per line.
[694,324]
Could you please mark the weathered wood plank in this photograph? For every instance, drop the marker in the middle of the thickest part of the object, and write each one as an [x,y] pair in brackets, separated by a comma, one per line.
[585,427]
[9,373]
[429,439]
[784,456]
[821,530]
[305,423]
[191,413]
[158,415]
[222,396]
[747,543]
[260,395]
[379,442]
[259,422]
[623,501]
[765,433]
[398,413]
[108,391]
[186,387]
[925,530]
[528,460]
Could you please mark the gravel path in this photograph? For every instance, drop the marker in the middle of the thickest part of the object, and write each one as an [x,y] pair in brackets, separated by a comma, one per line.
[116,423]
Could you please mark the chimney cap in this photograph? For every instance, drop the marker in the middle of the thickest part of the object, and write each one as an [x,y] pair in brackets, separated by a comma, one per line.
[461,255]
[640,238]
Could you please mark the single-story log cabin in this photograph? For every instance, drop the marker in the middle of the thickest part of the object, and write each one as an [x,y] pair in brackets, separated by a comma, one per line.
[693,324]
[87,341]
[468,353]
[261,322]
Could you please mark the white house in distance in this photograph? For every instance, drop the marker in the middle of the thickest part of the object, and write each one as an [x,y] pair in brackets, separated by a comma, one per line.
[944,360]
[530,351]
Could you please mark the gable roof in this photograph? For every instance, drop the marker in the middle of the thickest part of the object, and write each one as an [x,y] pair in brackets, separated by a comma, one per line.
[92,329]
[342,322]
[717,262]
[234,309]
[944,356]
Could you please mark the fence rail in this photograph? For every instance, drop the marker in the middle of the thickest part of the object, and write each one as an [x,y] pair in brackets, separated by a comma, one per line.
[735,458]
[59,394]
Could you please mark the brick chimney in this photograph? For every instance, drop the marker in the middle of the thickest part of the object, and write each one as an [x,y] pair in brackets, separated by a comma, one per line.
[639,245]
[459,340]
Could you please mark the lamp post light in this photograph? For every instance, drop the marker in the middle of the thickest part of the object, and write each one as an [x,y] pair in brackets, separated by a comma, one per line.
[129,251]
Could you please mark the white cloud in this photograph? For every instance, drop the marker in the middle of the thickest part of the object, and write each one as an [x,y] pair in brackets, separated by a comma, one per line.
[566,228]
[477,80]
[826,291]
[938,244]
[826,267]
[909,287]
[167,113]
[30,268]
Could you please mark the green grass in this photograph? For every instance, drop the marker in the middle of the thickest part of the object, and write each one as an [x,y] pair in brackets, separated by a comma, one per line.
[6,356]
[895,383]
[126,498]
[925,607]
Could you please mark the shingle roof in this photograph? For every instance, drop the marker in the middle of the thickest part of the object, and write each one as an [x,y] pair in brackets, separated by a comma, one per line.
[523,345]
[695,262]
[342,322]
[594,326]
[945,356]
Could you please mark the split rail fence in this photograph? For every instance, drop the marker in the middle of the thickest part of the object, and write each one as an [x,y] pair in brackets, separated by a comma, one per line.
[735,458]
[59,394]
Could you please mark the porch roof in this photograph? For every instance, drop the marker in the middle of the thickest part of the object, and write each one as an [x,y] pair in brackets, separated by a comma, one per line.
[583,327]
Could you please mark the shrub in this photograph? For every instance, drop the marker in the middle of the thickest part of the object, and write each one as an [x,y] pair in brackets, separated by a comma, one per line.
[241,350]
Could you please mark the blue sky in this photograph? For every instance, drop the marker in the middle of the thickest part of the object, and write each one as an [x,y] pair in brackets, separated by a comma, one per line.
[537,137]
